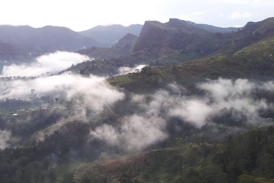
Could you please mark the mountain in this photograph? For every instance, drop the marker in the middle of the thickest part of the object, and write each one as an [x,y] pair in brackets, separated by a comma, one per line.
[43,40]
[123,47]
[158,39]
[251,33]
[173,34]
[254,61]
[110,35]
[195,162]
[214,29]
[174,42]
[177,41]
[10,52]
[201,111]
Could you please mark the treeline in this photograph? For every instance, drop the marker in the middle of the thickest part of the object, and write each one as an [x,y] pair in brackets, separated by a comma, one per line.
[246,158]
[45,160]
[189,155]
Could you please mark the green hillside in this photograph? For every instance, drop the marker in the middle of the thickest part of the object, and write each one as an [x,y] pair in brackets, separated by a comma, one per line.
[175,42]
[254,62]
[246,158]
[154,126]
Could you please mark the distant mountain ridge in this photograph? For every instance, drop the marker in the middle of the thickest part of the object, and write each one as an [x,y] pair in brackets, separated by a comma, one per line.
[152,42]
[215,29]
[177,41]
[110,35]
[38,41]
[158,38]
[173,34]
[123,47]
[11,52]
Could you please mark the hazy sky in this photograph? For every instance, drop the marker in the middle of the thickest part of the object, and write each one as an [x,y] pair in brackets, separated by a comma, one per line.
[84,14]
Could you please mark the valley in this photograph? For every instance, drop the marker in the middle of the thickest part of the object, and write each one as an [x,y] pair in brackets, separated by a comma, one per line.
[167,102]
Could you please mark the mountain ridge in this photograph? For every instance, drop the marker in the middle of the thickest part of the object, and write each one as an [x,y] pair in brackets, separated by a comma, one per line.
[108,36]
[33,39]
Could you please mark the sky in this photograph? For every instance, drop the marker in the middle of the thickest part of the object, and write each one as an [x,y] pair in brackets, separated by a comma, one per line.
[80,15]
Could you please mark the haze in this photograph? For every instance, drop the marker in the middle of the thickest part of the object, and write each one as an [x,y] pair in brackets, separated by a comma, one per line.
[82,14]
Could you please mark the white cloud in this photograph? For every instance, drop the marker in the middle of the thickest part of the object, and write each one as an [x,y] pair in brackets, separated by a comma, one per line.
[4,138]
[237,15]
[95,92]
[36,13]
[126,70]
[50,63]
[241,1]
[221,15]
[192,16]
[135,133]
[197,13]
[148,125]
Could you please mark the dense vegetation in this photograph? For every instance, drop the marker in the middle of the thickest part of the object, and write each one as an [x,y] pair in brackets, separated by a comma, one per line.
[245,158]
[186,156]
[190,154]
[54,144]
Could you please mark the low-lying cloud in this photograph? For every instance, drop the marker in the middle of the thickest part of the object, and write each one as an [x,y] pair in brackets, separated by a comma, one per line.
[148,125]
[135,132]
[93,91]
[4,139]
[45,65]
[240,15]
[126,70]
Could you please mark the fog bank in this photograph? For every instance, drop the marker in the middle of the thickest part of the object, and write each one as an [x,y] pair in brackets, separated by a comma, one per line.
[45,65]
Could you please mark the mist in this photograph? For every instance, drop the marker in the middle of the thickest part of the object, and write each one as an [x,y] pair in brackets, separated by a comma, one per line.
[45,65]
[4,139]
[221,95]
[148,124]
[135,133]
[95,90]
[126,70]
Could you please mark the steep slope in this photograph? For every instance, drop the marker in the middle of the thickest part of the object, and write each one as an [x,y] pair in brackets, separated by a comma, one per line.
[253,62]
[123,47]
[11,53]
[110,35]
[46,39]
[177,41]
[214,29]
[251,33]
[174,34]
[225,162]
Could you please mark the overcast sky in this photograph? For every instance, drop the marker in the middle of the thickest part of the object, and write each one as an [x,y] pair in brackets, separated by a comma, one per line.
[81,15]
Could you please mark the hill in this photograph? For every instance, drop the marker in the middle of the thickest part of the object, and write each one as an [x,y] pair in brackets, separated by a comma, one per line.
[238,159]
[108,36]
[175,120]
[251,33]
[43,40]
[176,42]
[12,53]
[157,40]
[192,42]
[254,61]
[173,34]
[123,47]
[214,29]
